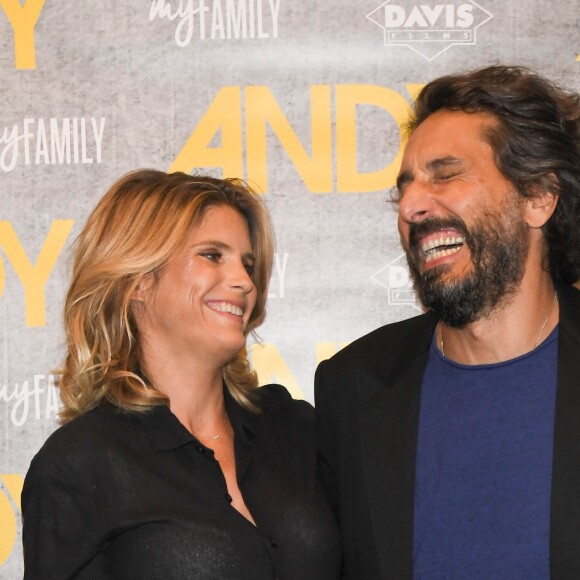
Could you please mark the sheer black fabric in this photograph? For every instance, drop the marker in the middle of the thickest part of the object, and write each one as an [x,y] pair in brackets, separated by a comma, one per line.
[124,495]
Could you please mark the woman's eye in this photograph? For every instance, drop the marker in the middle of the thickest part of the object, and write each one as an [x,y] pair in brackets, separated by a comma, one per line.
[212,256]
[249,269]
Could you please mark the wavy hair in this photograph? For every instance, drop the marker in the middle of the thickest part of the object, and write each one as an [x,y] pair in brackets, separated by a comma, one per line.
[133,231]
[536,143]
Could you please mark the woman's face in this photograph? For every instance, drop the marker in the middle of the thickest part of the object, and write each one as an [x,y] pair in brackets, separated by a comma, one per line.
[201,302]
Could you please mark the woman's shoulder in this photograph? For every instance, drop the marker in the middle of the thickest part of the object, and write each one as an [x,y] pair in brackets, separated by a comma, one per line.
[97,430]
[275,401]
[285,426]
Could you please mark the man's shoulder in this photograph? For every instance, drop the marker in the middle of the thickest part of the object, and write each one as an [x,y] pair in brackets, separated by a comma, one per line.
[569,298]
[385,354]
[389,340]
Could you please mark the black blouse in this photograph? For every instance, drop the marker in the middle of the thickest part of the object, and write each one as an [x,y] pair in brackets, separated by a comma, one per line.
[126,495]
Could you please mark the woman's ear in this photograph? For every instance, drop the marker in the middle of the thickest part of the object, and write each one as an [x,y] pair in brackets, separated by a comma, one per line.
[143,288]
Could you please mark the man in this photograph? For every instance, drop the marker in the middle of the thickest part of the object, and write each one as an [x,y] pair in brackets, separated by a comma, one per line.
[450,443]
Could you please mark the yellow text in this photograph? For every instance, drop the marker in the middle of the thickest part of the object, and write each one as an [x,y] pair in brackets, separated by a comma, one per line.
[328,139]
[33,277]
[23,18]
[272,368]
[10,509]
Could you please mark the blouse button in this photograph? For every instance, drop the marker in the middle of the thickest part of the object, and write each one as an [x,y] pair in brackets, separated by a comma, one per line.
[229,497]
[273,542]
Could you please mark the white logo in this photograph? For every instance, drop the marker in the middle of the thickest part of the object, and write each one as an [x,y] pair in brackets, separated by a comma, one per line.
[39,396]
[278,281]
[219,19]
[429,28]
[395,278]
[71,140]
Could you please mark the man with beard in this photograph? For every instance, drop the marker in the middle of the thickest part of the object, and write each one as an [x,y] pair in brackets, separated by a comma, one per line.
[449,444]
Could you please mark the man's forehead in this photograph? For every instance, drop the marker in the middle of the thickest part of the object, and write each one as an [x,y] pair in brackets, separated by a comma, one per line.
[454,124]
[448,135]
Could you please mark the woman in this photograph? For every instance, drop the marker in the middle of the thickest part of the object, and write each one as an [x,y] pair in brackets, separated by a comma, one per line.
[171,463]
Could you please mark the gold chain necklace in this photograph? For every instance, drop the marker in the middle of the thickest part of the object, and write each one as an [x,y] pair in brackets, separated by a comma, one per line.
[539,334]
[224,423]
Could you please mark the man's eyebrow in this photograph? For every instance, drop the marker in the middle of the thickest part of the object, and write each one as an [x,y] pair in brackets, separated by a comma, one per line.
[443,162]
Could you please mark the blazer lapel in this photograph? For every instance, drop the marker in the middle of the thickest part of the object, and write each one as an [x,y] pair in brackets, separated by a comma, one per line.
[389,416]
[565,501]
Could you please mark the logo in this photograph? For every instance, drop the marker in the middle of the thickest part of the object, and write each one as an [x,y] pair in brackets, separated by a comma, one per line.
[10,512]
[218,19]
[75,140]
[429,28]
[37,398]
[278,279]
[242,118]
[395,278]
[33,273]
[23,17]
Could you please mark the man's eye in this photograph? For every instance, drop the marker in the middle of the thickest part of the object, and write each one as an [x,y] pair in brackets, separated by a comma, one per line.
[448,174]
[445,176]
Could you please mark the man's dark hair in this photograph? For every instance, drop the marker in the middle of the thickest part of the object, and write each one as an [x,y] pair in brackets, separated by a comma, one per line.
[536,143]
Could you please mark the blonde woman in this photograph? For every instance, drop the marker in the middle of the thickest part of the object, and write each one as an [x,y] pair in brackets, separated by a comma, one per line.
[171,463]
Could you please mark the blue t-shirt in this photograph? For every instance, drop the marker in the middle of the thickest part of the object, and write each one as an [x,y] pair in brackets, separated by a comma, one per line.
[483,475]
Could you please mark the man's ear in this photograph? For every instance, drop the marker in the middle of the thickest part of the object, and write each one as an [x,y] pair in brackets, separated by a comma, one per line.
[540,207]
[143,288]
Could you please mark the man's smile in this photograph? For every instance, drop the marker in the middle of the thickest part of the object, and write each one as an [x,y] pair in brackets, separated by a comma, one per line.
[441,244]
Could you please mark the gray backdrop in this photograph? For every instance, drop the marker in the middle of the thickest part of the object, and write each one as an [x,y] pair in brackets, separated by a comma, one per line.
[303,100]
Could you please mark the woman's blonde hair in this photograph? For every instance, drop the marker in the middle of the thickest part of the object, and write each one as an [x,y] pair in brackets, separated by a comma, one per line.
[133,231]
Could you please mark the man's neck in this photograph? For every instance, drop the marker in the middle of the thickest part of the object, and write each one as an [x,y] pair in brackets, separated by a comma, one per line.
[515,327]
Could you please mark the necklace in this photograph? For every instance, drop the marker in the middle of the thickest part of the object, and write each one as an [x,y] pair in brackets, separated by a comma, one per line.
[441,347]
[546,320]
[218,435]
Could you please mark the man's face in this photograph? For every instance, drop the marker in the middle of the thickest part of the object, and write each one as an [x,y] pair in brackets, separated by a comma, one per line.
[461,222]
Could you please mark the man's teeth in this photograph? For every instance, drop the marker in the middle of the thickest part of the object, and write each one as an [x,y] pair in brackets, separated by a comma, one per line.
[226,307]
[437,248]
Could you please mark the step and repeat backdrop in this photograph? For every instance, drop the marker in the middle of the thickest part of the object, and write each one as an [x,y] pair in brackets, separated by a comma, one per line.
[305,100]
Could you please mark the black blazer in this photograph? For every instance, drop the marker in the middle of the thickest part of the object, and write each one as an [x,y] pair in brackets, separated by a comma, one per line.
[367,403]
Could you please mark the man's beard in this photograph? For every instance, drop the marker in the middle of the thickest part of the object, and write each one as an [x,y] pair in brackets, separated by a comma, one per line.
[499,246]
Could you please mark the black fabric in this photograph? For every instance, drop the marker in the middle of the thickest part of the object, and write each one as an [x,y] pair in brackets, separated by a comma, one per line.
[125,495]
[367,402]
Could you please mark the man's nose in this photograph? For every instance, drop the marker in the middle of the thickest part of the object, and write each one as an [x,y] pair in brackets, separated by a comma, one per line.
[417,202]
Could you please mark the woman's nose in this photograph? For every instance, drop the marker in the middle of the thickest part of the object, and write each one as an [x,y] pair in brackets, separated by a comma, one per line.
[241,278]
